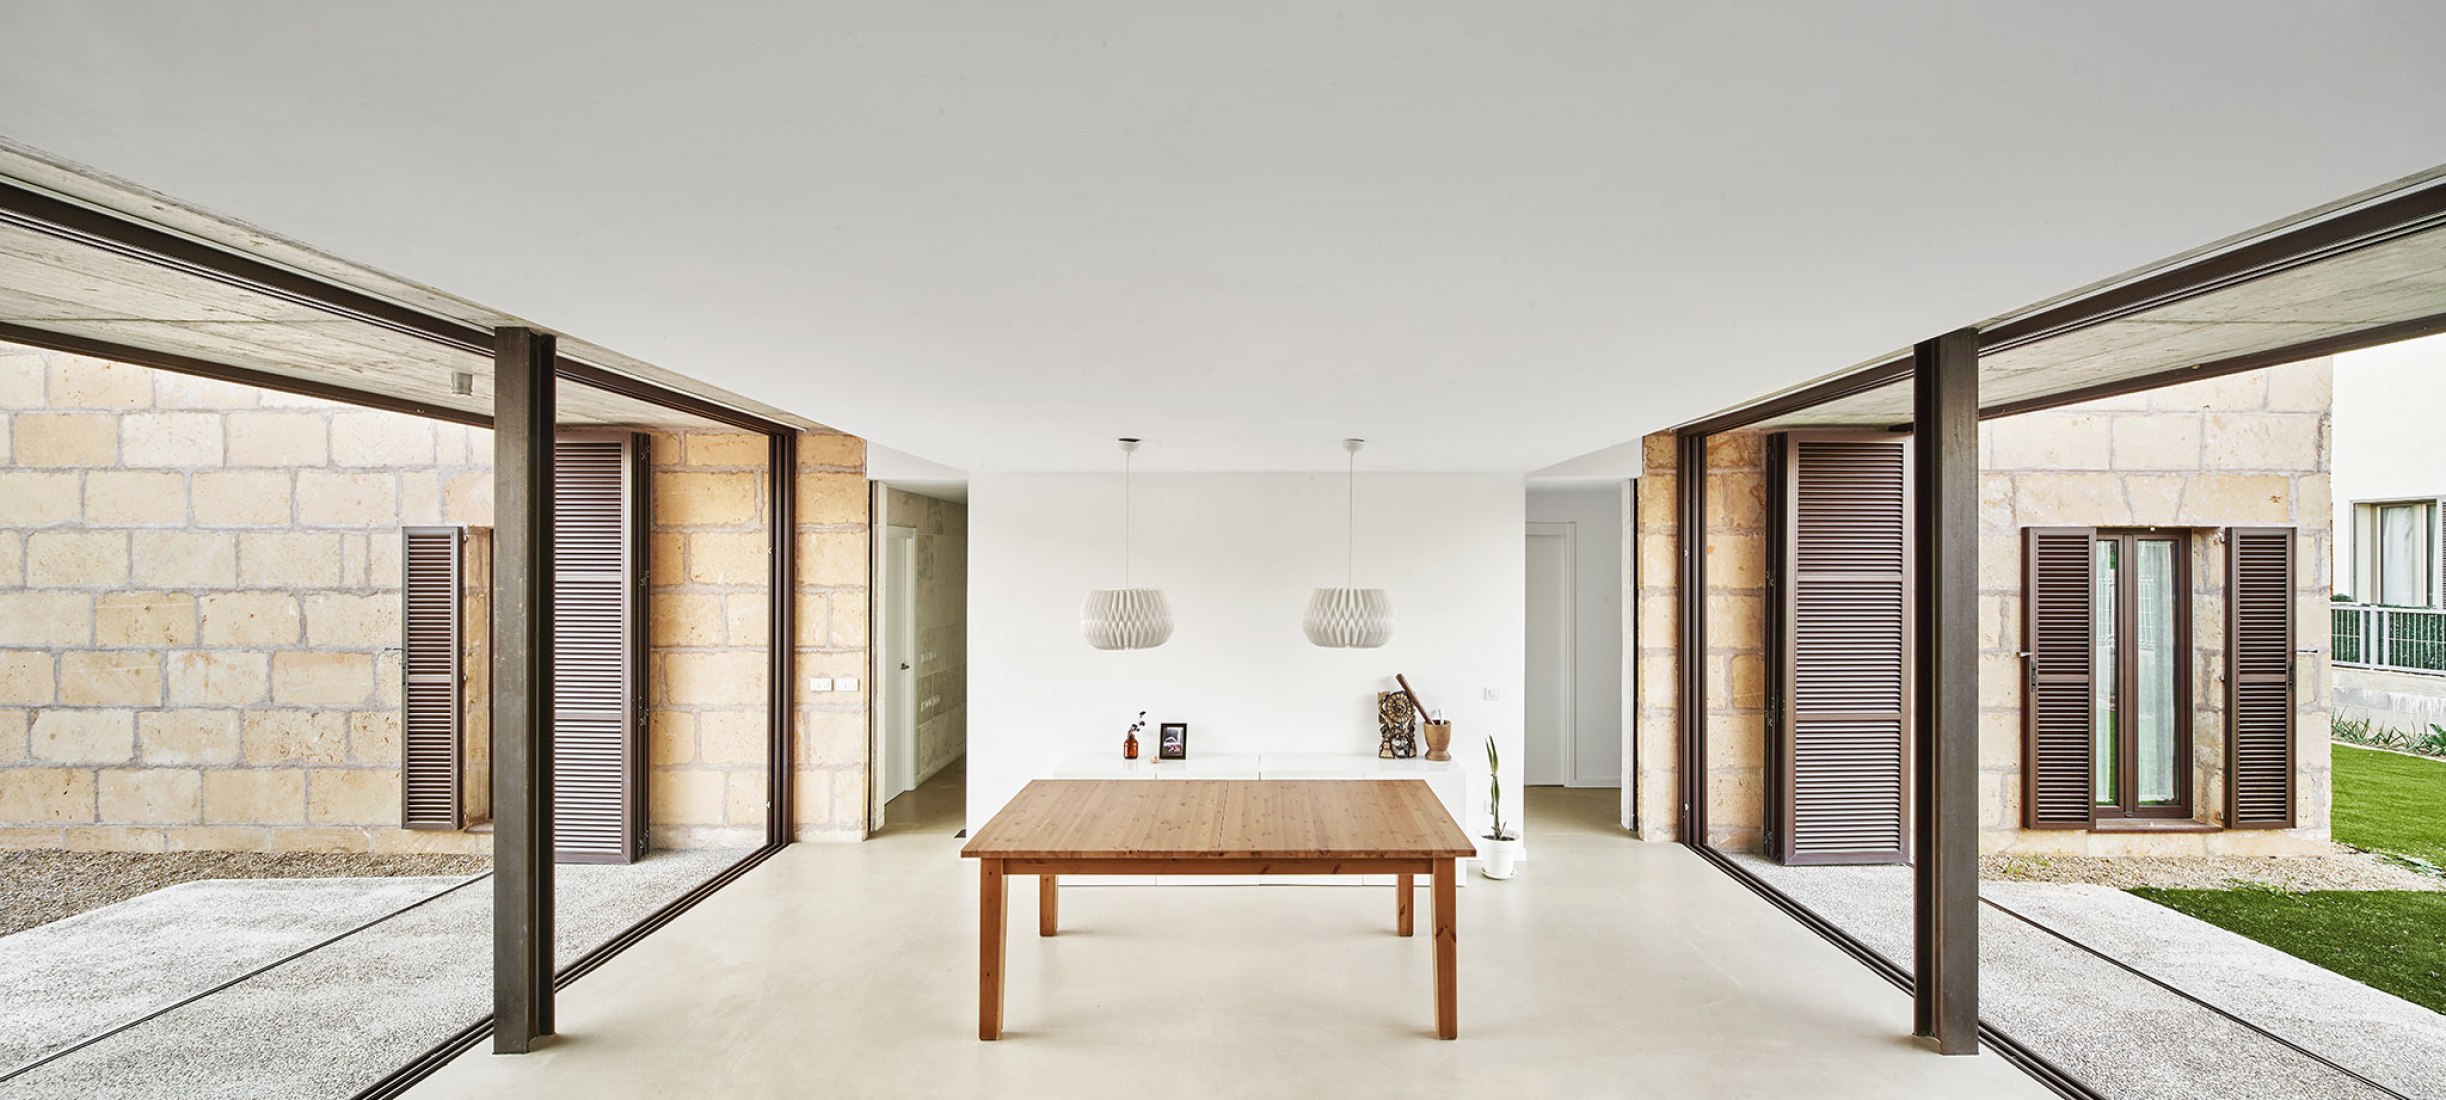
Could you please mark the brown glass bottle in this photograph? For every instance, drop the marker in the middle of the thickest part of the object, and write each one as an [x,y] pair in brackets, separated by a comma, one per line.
[1129,746]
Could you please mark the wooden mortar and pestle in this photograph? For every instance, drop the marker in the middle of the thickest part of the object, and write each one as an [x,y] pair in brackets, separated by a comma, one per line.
[1438,734]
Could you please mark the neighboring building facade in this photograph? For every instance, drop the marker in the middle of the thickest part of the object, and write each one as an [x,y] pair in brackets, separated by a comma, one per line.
[2113,680]
[2390,479]
[201,619]
[2390,473]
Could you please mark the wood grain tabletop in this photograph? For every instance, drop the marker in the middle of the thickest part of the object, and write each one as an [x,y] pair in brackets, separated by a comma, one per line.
[1283,819]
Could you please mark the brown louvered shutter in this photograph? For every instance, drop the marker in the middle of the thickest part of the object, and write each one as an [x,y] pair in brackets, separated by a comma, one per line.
[429,720]
[2059,683]
[597,789]
[1842,708]
[2259,678]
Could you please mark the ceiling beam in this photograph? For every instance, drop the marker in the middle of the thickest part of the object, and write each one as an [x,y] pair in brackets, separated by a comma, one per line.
[2413,212]
[78,224]
[244,376]
[2395,332]
[68,221]
[2416,211]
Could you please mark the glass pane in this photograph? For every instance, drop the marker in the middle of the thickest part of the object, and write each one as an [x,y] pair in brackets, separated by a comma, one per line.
[2153,698]
[2107,745]
[2402,562]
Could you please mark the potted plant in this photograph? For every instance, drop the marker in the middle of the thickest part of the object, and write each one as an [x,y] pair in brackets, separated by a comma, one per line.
[1500,854]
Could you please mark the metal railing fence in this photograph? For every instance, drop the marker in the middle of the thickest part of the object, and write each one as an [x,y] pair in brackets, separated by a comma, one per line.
[2412,639]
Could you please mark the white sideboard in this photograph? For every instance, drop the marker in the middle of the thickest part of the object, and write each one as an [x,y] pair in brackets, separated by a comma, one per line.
[1444,777]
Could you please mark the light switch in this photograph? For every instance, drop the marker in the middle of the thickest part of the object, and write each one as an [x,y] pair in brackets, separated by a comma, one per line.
[845,683]
[819,683]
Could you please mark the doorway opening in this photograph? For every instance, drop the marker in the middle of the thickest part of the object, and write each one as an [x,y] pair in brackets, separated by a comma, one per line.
[1573,695]
[920,657]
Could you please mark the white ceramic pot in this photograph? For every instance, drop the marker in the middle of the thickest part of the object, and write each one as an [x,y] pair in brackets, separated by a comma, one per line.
[1498,859]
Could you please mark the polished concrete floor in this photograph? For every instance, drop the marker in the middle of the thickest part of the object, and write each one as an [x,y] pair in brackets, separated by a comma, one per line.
[1607,968]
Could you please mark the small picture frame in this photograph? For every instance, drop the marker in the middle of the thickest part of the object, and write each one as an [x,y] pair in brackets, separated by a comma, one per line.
[1172,741]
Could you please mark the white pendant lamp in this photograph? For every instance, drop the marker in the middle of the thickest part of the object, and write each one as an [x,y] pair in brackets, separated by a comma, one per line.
[1350,617]
[1125,617]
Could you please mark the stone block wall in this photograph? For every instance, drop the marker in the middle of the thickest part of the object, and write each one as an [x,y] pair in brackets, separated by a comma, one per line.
[1656,648]
[709,585]
[1737,567]
[941,528]
[1736,551]
[199,617]
[709,576]
[831,749]
[199,608]
[2247,450]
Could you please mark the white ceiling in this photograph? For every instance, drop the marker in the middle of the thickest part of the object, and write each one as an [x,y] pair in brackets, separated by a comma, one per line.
[1487,237]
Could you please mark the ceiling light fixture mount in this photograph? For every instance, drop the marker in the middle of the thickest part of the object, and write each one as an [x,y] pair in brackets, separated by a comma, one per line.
[1350,617]
[1126,617]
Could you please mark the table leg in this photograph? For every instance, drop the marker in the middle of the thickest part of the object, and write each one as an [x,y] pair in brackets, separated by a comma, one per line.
[1405,891]
[1447,945]
[1048,905]
[990,916]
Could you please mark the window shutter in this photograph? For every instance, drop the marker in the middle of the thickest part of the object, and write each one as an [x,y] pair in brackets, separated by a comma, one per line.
[2059,683]
[429,654]
[597,789]
[2259,679]
[1842,642]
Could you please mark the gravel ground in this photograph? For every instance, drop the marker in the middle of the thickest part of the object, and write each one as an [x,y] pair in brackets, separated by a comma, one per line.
[41,886]
[2341,869]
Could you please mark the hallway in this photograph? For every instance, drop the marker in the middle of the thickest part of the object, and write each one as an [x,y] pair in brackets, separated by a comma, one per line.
[935,808]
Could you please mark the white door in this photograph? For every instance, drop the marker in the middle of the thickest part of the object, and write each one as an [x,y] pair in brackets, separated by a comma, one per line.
[1549,701]
[899,639]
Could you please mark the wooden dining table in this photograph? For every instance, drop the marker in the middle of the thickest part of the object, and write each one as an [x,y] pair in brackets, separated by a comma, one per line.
[1059,827]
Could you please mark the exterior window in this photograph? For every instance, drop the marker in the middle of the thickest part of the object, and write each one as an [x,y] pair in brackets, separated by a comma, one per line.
[2107,693]
[2395,553]
[2141,628]
[2403,555]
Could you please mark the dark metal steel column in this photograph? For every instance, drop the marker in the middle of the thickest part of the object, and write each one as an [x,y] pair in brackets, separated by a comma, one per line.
[1690,656]
[780,803]
[523,423]
[1945,684]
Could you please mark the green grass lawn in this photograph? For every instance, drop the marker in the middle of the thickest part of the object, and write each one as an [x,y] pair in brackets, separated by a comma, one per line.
[2389,802]
[2394,940]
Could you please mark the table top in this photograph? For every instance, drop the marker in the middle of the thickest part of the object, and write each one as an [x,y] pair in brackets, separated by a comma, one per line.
[1222,819]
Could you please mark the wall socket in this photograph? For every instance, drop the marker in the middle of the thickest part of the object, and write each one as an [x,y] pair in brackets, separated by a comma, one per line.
[845,683]
[1494,695]
[819,683]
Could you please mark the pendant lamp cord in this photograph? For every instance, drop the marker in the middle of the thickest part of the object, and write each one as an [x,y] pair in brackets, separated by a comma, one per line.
[1350,522]
[1125,518]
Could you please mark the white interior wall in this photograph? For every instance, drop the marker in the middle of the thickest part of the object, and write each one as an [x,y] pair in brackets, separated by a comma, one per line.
[1237,555]
[1596,514]
[2385,431]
